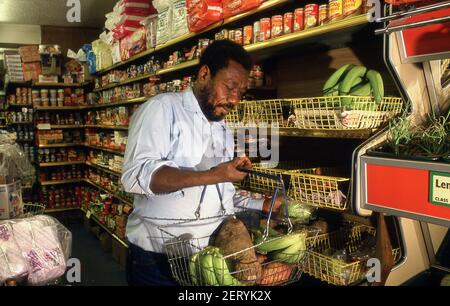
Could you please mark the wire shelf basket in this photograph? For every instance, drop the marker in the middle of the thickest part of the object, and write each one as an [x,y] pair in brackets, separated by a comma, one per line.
[319,187]
[32,209]
[335,271]
[258,113]
[329,113]
[195,261]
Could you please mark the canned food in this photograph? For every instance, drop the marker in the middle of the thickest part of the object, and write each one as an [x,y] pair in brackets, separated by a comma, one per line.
[256,31]
[238,36]
[60,93]
[288,23]
[231,35]
[335,10]
[248,35]
[265,29]
[44,94]
[323,14]
[277,26]
[352,8]
[311,15]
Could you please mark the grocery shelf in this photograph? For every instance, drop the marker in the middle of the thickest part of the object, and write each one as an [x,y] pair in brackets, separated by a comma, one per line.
[103,168]
[181,66]
[20,105]
[69,126]
[53,210]
[23,122]
[263,7]
[24,140]
[61,164]
[61,145]
[125,102]
[105,149]
[37,84]
[107,127]
[47,183]
[109,192]
[131,80]
[59,108]
[96,220]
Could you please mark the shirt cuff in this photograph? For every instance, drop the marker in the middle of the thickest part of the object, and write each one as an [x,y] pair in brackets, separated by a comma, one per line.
[146,175]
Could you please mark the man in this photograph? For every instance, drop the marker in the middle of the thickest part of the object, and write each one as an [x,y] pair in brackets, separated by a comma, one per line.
[180,151]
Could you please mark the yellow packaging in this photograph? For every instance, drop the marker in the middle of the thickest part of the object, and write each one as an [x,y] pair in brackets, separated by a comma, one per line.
[352,7]
[335,9]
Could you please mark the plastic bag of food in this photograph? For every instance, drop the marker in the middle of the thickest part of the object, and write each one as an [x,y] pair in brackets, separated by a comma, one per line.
[202,13]
[12,265]
[163,27]
[151,27]
[179,19]
[234,7]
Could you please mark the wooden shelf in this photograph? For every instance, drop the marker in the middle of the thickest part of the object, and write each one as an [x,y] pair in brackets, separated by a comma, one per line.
[112,85]
[59,108]
[126,102]
[21,123]
[107,127]
[61,145]
[37,84]
[20,105]
[105,149]
[263,7]
[74,126]
[61,164]
[109,192]
[48,183]
[53,210]
[102,168]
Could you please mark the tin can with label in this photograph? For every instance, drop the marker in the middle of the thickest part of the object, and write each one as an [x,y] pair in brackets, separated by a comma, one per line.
[335,10]
[288,23]
[256,31]
[277,26]
[323,14]
[265,29]
[352,7]
[238,36]
[311,15]
[248,35]
[231,35]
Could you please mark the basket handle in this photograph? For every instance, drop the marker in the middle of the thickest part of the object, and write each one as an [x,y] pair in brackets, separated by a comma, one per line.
[286,212]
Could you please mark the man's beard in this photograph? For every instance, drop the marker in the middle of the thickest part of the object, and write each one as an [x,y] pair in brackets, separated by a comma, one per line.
[203,96]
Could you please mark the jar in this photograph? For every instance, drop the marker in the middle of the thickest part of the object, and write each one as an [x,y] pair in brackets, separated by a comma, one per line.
[53,93]
[60,93]
[60,102]
[44,93]
[45,102]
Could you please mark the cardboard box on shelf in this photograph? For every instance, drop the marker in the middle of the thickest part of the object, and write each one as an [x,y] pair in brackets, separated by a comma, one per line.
[31,71]
[29,54]
[11,204]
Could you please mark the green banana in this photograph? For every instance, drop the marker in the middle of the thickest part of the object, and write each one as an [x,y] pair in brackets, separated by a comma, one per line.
[207,268]
[353,75]
[362,90]
[194,269]
[334,91]
[376,81]
[336,77]
[294,253]
[357,82]
[275,244]
[221,271]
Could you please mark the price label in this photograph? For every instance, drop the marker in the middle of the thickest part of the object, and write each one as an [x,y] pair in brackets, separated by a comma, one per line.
[440,188]
[88,214]
[44,126]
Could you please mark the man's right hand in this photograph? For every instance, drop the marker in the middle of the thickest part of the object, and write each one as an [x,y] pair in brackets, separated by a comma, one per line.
[227,172]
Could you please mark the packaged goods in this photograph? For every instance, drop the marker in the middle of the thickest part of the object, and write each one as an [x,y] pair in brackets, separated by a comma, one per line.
[179,20]
[288,23]
[202,13]
[239,36]
[299,19]
[29,54]
[323,14]
[138,42]
[265,29]
[31,71]
[234,7]
[335,10]
[12,264]
[311,15]
[353,7]
[150,24]
[248,35]
[163,27]
[276,26]
[256,31]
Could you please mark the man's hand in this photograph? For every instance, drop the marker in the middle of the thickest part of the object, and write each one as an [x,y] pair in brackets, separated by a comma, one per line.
[227,172]
[276,207]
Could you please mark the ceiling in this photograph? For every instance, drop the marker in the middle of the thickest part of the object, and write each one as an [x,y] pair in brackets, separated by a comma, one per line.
[53,12]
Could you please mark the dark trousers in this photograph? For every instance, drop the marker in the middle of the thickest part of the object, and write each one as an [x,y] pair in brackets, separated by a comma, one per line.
[146,268]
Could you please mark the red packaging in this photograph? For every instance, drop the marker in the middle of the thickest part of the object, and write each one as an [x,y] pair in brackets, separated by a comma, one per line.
[299,19]
[202,13]
[288,23]
[248,35]
[234,7]
[323,14]
[277,26]
[311,15]
[265,29]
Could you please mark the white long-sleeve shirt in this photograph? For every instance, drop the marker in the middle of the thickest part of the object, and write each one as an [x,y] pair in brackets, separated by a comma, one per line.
[171,130]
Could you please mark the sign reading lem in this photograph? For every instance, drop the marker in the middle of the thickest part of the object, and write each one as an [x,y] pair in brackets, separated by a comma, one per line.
[440,188]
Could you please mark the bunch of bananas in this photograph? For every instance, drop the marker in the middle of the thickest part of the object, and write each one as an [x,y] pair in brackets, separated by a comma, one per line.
[287,248]
[209,267]
[352,80]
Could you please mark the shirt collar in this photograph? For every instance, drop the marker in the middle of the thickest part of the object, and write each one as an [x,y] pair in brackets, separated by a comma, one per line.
[190,103]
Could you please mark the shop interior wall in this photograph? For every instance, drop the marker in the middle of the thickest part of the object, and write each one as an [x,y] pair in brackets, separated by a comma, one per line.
[69,37]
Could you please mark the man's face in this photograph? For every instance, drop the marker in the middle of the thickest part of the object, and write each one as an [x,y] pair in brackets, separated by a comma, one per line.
[220,94]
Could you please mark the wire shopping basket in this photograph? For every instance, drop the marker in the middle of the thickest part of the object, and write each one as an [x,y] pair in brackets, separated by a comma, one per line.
[271,258]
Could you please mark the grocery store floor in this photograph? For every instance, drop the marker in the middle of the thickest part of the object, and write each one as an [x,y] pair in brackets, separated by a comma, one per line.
[97,267]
